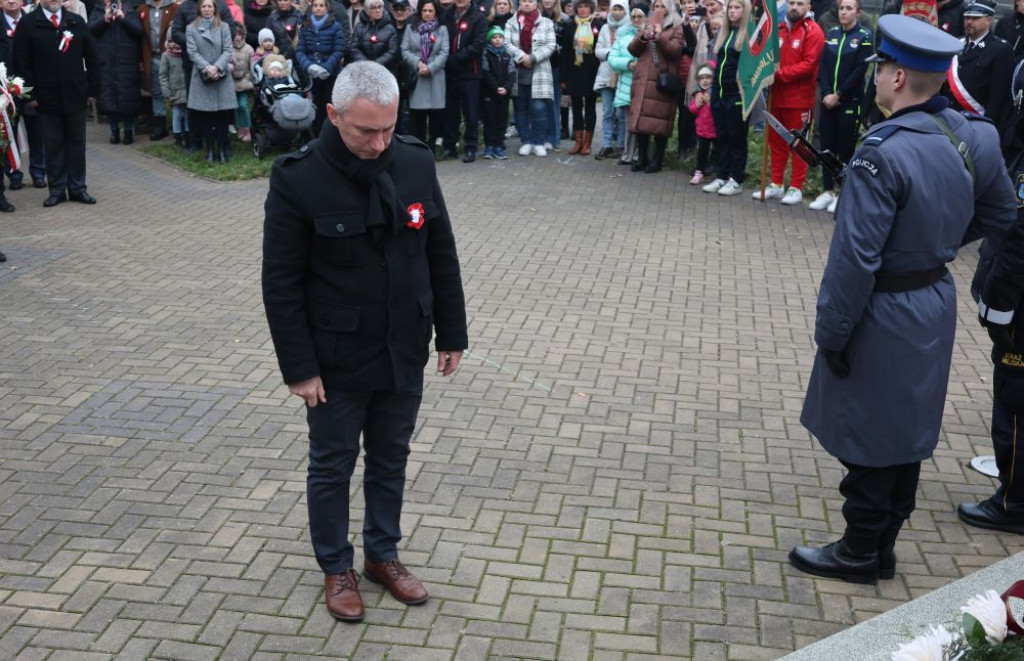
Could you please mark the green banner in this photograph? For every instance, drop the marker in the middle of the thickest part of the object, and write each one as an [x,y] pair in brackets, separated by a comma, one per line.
[759,57]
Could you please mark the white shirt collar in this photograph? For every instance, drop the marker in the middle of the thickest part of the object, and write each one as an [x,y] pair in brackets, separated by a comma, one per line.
[49,16]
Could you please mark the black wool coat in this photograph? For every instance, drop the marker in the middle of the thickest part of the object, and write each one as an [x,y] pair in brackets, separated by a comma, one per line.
[118,53]
[58,80]
[352,304]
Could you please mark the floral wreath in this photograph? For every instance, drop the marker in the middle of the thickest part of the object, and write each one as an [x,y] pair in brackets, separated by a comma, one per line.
[10,89]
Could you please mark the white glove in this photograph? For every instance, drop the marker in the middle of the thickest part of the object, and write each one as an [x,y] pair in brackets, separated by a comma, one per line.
[324,74]
[316,71]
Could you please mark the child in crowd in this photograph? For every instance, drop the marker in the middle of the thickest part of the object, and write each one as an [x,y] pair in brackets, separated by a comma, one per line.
[277,70]
[266,47]
[622,63]
[242,74]
[174,89]
[499,78]
[700,107]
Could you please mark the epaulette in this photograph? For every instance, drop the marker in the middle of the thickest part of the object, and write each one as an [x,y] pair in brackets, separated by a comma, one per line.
[877,137]
[411,140]
[297,155]
[976,118]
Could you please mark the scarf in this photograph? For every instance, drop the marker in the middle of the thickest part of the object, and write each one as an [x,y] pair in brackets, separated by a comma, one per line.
[583,40]
[526,23]
[614,26]
[384,210]
[318,23]
[496,51]
[426,30]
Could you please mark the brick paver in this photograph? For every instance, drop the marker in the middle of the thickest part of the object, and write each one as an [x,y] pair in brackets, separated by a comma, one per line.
[616,472]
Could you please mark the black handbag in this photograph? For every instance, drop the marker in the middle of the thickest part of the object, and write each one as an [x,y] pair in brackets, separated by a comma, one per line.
[667,83]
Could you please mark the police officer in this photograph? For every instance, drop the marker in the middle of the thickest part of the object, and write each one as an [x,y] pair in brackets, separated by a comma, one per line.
[924,182]
[979,80]
[359,263]
[998,287]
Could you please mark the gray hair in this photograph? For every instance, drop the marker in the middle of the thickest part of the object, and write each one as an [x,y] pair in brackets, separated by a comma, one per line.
[373,4]
[364,80]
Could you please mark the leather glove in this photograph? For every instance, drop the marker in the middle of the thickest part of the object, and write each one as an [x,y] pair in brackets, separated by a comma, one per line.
[836,363]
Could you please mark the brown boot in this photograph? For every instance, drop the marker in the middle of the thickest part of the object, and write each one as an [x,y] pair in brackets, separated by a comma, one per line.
[393,575]
[341,591]
[579,143]
[588,138]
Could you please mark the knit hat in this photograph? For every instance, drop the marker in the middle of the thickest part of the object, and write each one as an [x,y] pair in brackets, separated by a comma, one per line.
[642,6]
[266,34]
[493,31]
[619,3]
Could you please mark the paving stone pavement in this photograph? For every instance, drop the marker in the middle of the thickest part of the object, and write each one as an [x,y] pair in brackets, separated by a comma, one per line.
[617,471]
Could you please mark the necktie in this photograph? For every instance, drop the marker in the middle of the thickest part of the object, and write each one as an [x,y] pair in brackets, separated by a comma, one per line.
[969,48]
[55,21]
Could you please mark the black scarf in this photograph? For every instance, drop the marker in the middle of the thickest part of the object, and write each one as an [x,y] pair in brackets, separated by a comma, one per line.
[385,210]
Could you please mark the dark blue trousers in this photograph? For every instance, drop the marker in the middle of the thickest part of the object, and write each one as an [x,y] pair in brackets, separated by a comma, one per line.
[461,96]
[386,421]
[878,501]
[1007,432]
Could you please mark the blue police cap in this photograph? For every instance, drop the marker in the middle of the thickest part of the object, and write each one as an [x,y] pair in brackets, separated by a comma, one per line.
[979,9]
[914,44]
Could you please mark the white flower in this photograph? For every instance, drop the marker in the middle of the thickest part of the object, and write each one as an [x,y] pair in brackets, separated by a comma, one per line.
[926,647]
[990,610]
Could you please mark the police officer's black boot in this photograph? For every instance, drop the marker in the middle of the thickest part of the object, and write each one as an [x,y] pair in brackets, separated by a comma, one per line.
[887,553]
[837,560]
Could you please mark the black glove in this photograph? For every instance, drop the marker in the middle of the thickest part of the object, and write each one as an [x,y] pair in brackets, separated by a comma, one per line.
[1002,336]
[836,363]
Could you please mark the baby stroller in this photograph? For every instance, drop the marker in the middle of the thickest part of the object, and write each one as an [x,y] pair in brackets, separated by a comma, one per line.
[281,112]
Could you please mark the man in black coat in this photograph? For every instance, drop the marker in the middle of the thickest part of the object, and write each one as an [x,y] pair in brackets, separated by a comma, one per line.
[13,13]
[979,80]
[467,30]
[1011,30]
[284,22]
[55,54]
[951,16]
[359,264]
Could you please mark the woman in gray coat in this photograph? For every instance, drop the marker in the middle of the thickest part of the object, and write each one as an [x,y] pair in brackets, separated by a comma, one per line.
[211,92]
[425,50]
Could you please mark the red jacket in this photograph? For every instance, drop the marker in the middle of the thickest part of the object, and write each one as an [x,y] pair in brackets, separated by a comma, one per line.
[800,54]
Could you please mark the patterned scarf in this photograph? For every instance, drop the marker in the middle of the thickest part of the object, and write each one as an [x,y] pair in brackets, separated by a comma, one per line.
[526,23]
[426,30]
[583,40]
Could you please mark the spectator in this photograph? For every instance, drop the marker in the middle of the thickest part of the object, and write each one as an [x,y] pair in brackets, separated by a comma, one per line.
[623,63]
[156,17]
[241,56]
[467,30]
[704,124]
[75,7]
[237,15]
[498,72]
[61,81]
[117,52]
[257,17]
[979,81]
[1011,30]
[211,93]
[726,106]
[951,16]
[425,48]
[13,13]
[188,11]
[319,55]
[531,40]
[792,97]
[407,76]
[579,69]
[175,91]
[841,83]
[558,125]
[341,14]
[501,11]
[612,132]
[285,22]
[685,129]
[703,54]
[653,112]
[374,37]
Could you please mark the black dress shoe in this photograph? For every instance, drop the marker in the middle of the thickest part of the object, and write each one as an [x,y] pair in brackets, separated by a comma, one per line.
[160,132]
[448,154]
[115,136]
[17,185]
[3,257]
[5,206]
[836,560]
[129,137]
[470,156]
[39,183]
[991,516]
[604,153]
[82,197]
[638,166]
[55,199]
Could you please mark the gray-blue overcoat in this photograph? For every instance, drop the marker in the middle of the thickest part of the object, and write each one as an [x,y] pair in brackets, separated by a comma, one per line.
[208,44]
[908,204]
[429,93]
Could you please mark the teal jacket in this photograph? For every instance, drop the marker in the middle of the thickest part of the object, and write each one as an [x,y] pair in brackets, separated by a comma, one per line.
[619,59]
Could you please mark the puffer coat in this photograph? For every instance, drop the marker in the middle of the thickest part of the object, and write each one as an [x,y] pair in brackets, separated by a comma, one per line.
[118,57]
[376,41]
[650,111]
[325,46]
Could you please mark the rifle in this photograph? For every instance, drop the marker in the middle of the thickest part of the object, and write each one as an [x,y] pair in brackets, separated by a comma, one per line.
[804,150]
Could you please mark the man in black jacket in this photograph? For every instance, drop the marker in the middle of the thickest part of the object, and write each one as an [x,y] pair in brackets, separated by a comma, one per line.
[467,30]
[979,80]
[55,54]
[1011,30]
[359,264]
[951,16]
[284,22]
[13,13]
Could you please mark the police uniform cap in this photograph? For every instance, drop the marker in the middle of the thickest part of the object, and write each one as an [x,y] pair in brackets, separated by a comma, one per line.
[914,44]
[400,3]
[980,8]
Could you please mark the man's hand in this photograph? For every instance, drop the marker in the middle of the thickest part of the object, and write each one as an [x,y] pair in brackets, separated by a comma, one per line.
[836,363]
[311,391]
[448,362]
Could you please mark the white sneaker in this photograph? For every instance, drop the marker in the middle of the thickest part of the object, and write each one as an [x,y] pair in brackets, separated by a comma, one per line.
[793,196]
[823,201]
[832,207]
[731,187]
[512,133]
[525,149]
[713,186]
[538,150]
[548,145]
[772,192]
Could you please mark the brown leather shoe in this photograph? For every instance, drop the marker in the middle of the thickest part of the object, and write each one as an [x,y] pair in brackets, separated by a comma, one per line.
[342,594]
[393,575]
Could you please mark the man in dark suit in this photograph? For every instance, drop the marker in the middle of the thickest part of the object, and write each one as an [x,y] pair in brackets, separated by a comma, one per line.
[359,265]
[13,13]
[55,54]
[978,82]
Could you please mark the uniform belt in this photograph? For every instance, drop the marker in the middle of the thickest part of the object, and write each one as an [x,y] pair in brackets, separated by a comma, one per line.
[893,282]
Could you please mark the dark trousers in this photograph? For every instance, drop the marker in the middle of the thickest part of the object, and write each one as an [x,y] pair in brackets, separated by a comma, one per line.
[213,126]
[462,104]
[708,153]
[1007,427]
[386,421]
[687,125]
[64,142]
[838,128]
[495,120]
[584,112]
[732,136]
[321,97]
[878,501]
[418,120]
[118,121]
[36,152]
